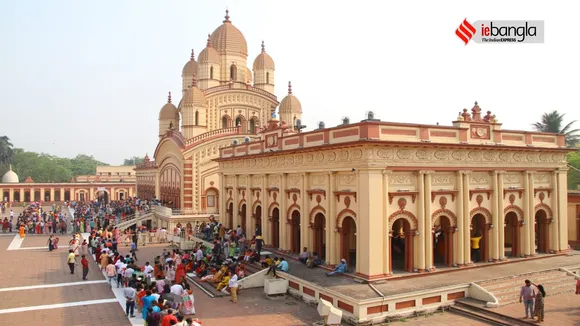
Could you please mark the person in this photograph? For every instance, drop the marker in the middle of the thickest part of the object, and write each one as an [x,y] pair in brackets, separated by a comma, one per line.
[313,261]
[50,243]
[85,264]
[475,251]
[283,266]
[539,306]
[134,250]
[111,271]
[166,321]
[528,294]
[147,303]
[339,269]
[71,260]
[233,285]
[153,317]
[129,294]
[304,256]
[21,231]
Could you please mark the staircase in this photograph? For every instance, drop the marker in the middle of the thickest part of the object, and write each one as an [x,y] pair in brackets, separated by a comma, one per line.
[133,219]
[507,289]
[476,310]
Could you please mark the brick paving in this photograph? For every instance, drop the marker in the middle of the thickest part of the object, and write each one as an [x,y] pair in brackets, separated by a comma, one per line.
[562,309]
[38,297]
[438,319]
[41,240]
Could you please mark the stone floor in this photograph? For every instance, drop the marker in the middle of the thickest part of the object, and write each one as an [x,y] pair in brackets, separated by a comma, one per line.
[562,309]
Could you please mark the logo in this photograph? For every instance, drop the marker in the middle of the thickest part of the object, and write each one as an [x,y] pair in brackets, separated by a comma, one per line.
[501,31]
[465,31]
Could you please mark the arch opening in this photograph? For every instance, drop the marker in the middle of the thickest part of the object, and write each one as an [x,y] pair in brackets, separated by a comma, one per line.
[442,238]
[319,229]
[348,241]
[401,246]
[512,235]
[276,227]
[479,240]
[258,220]
[243,218]
[542,230]
[295,232]
[231,216]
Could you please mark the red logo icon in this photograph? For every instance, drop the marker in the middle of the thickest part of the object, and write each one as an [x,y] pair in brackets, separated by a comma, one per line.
[465,31]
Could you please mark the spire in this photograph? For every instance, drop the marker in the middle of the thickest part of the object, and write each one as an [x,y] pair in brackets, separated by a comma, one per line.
[289,88]
[263,47]
[194,81]
[10,167]
[192,55]
[169,98]
[227,16]
[208,41]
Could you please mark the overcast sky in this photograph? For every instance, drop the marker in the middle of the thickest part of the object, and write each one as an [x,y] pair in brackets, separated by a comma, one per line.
[90,76]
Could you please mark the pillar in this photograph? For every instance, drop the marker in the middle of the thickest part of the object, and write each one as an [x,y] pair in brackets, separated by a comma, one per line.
[236,201]
[42,198]
[494,248]
[531,202]
[467,219]
[331,234]
[11,199]
[554,229]
[222,196]
[421,216]
[158,186]
[428,222]
[250,222]
[21,194]
[305,236]
[386,227]
[528,221]
[284,229]
[369,224]
[266,224]
[501,217]
[563,209]
[113,196]
[32,191]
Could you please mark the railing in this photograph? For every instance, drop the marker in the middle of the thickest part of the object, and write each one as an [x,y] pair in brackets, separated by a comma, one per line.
[240,85]
[211,133]
[189,212]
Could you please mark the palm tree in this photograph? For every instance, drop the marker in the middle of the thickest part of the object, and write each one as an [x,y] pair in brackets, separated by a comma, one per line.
[552,122]
[6,150]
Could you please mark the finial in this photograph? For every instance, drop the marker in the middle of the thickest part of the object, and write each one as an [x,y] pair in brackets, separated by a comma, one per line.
[475,102]
[263,47]
[227,17]
[194,81]
[208,41]
[169,98]
[289,88]
[192,55]
[10,167]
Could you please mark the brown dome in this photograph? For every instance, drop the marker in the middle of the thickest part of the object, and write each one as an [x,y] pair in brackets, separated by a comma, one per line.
[290,103]
[228,39]
[263,60]
[193,97]
[168,111]
[209,54]
[190,67]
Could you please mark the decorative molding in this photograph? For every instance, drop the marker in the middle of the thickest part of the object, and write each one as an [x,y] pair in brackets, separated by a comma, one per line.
[452,193]
[483,211]
[412,194]
[337,194]
[344,213]
[480,191]
[520,191]
[316,192]
[516,209]
[315,210]
[444,212]
[291,209]
[292,191]
[228,187]
[270,189]
[410,217]
[548,190]
[549,213]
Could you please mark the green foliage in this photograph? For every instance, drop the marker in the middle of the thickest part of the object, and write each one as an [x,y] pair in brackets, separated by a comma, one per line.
[553,121]
[574,171]
[42,167]
[133,160]
[6,150]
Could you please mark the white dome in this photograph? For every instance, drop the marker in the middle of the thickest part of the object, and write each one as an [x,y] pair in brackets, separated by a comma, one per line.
[10,176]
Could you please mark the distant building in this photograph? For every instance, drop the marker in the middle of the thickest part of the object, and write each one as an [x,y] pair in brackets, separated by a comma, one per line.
[107,173]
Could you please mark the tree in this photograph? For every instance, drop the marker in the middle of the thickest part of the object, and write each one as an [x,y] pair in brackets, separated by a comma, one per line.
[6,150]
[574,171]
[553,121]
[133,160]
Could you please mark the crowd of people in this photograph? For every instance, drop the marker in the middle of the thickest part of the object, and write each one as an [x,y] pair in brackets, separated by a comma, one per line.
[34,219]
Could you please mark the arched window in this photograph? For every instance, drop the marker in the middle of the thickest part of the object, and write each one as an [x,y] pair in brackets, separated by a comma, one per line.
[267,78]
[253,126]
[197,118]
[211,72]
[233,72]
[238,121]
[224,122]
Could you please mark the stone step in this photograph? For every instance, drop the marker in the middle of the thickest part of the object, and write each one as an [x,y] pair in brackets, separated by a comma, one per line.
[494,318]
[515,298]
[538,278]
[530,276]
[548,285]
[489,320]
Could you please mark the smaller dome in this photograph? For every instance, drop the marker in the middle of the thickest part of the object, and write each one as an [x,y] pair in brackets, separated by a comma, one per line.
[209,54]
[263,60]
[290,103]
[190,67]
[10,176]
[194,96]
[168,111]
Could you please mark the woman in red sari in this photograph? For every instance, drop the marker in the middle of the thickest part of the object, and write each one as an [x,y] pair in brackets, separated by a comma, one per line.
[179,273]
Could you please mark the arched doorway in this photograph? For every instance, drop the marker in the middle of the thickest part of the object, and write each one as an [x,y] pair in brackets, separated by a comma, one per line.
[348,236]
[276,228]
[16,196]
[230,224]
[26,196]
[512,235]
[319,236]
[295,232]
[542,229]
[479,228]
[243,218]
[67,195]
[442,239]
[258,220]
[6,196]
[402,246]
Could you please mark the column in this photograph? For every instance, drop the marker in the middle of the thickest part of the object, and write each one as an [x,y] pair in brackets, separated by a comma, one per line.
[284,229]
[305,235]
[428,223]
[21,195]
[158,188]
[236,199]
[11,199]
[527,220]
[420,240]
[250,222]
[493,244]
[42,198]
[266,224]
[222,197]
[386,227]
[501,217]
[563,209]
[531,202]
[331,234]
[91,193]
[554,231]
[369,230]
[32,194]
[113,196]
[467,219]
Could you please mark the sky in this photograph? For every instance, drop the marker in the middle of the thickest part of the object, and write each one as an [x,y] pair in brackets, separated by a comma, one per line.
[91,76]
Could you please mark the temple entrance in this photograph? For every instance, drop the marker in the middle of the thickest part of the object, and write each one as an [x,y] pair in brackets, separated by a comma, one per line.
[258,220]
[46,196]
[37,196]
[295,232]
[348,241]
[479,230]
[231,216]
[276,228]
[6,196]
[16,196]
[442,239]
[243,218]
[402,246]
[102,196]
[512,235]
[82,196]
[542,229]
[67,195]
[319,236]
[26,196]
[56,195]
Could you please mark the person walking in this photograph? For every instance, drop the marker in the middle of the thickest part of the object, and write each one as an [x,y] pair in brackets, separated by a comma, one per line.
[129,294]
[539,306]
[233,285]
[85,264]
[134,250]
[71,260]
[527,293]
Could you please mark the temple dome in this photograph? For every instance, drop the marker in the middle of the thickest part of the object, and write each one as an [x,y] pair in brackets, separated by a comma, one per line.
[194,96]
[168,111]
[10,176]
[290,103]
[190,67]
[209,54]
[263,60]
[227,39]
